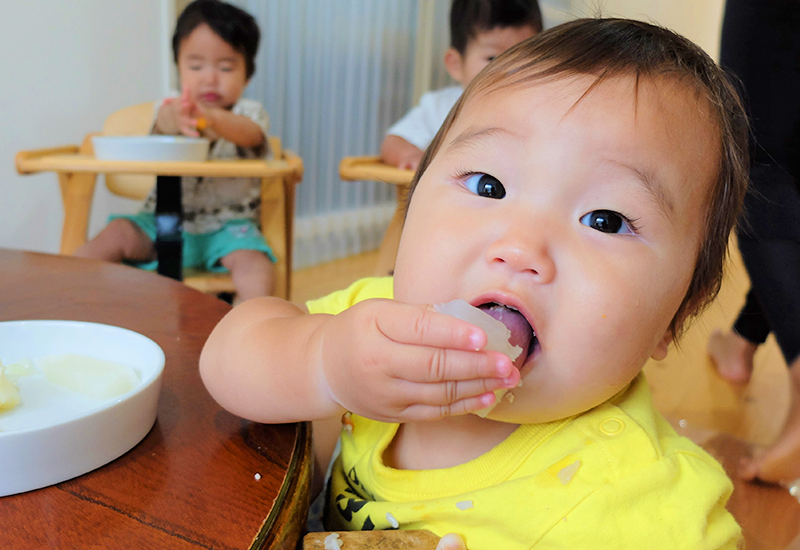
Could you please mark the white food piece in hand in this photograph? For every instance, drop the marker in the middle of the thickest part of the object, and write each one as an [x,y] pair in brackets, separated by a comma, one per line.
[94,378]
[497,335]
[9,392]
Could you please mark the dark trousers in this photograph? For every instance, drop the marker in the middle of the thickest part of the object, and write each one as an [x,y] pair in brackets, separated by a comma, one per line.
[761,47]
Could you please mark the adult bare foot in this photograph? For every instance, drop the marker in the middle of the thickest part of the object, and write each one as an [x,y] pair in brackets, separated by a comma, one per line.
[732,355]
[781,461]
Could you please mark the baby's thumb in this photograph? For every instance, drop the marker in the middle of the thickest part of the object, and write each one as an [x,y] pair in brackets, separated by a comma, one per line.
[451,541]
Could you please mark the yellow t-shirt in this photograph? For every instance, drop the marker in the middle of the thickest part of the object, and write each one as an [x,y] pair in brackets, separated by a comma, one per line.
[617,476]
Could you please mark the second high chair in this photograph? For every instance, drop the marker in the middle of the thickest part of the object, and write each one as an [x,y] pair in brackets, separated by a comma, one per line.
[77,172]
[373,169]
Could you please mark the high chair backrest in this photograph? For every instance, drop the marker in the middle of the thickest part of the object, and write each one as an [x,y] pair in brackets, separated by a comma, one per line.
[136,120]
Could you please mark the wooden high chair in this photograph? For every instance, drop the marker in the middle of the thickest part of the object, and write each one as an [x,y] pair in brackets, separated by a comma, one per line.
[77,172]
[373,169]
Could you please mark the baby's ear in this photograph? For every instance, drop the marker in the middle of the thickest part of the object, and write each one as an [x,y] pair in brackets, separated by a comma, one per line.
[454,64]
[661,349]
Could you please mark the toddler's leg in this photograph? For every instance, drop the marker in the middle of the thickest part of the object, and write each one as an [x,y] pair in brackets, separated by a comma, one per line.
[120,240]
[253,273]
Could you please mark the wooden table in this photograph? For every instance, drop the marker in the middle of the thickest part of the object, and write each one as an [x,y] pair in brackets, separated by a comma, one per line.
[191,483]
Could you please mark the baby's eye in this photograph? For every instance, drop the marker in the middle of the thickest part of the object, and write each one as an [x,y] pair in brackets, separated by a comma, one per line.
[195,67]
[226,69]
[491,58]
[485,185]
[608,221]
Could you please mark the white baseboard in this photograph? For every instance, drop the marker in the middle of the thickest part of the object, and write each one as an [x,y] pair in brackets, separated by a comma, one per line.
[326,237]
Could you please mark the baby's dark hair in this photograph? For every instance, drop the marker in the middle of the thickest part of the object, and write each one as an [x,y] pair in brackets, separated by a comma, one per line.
[608,48]
[470,17]
[235,26]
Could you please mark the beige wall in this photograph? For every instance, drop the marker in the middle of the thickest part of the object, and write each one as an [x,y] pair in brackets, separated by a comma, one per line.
[65,66]
[698,20]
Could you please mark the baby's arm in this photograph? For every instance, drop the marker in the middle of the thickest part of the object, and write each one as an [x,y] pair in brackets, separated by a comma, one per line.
[269,361]
[396,151]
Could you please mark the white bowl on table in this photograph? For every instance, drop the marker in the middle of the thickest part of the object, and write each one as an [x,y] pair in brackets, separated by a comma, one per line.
[151,148]
[56,434]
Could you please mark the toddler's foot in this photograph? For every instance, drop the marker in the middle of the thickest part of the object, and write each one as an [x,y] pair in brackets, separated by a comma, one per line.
[732,355]
[781,461]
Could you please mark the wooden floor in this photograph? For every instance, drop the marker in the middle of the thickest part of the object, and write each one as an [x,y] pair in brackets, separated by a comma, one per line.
[727,420]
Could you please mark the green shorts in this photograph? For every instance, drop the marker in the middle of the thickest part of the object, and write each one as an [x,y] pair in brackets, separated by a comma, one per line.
[205,250]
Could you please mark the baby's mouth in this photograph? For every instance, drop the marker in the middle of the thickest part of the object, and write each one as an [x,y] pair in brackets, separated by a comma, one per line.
[522,333]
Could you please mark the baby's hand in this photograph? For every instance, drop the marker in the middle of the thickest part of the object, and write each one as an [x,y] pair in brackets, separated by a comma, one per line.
[396,362]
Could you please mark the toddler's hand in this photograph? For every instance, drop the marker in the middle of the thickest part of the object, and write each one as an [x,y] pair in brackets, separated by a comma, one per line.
[395,362]
[187,114]
[410,160]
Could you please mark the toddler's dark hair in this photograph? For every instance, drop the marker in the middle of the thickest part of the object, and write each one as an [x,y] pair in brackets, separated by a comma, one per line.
[235,26]
[470,17]
[608,48]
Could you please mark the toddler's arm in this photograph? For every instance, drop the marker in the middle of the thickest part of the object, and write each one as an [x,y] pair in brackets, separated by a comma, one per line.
[269,361]
[395,151]
[238,129]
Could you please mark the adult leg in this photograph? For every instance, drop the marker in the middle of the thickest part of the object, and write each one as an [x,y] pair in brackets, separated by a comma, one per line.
[120,240]
[760,45]
[780,461]
[732,352]
[253,273]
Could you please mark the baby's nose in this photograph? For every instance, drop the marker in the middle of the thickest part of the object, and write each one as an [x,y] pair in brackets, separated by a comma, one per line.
[523,251]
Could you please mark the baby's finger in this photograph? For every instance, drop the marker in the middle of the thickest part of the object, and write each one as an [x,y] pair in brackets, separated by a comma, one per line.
[428,328]
[422,364]
[451,541]
[464,406]
[447,393]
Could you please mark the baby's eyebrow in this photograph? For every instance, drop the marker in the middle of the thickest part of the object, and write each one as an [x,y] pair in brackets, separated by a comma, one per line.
[653,186]
[471,135]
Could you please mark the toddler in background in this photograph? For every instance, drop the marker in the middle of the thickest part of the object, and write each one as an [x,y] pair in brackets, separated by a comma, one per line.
[214,46]
[582,191]
[480,30]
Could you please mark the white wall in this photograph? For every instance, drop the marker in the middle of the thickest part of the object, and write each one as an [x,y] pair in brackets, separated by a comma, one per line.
[698,20]
[64,67]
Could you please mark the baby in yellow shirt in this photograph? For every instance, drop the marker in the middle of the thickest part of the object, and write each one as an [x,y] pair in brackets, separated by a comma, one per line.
[582,190]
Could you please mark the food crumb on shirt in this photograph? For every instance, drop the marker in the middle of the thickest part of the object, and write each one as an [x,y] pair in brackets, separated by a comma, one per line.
[392,520]
[509,397]
[465,505]
[567,472]
[257,476]
[333,542]
[347,424]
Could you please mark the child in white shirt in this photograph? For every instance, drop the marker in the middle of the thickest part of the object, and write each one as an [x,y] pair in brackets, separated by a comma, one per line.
[480,30]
